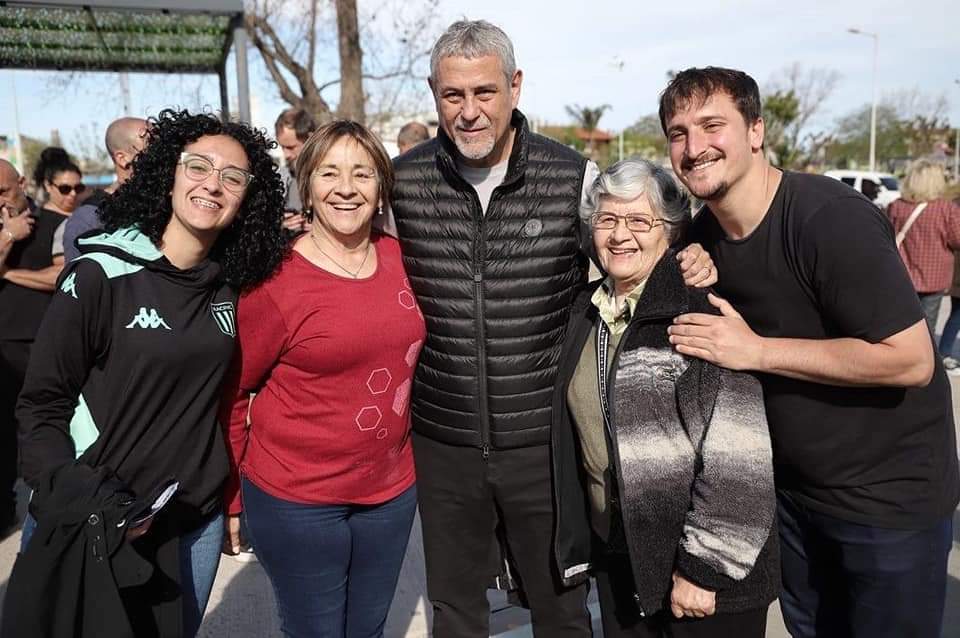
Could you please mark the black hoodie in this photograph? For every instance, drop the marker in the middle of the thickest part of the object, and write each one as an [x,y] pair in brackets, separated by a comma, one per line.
[126,372]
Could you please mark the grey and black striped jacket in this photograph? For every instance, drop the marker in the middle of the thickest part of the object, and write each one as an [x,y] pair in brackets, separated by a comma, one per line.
[690,454]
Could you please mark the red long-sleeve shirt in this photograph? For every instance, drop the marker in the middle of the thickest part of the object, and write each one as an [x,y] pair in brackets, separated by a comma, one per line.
[331,360]
[928,246]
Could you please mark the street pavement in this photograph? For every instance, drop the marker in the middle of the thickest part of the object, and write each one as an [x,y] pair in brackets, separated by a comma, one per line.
[242,604]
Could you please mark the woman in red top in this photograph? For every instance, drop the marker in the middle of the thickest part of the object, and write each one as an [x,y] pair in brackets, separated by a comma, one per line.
[927,244]
[324,473]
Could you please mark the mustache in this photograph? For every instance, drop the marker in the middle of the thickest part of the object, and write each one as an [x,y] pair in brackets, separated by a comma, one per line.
[481,122]
[688,162]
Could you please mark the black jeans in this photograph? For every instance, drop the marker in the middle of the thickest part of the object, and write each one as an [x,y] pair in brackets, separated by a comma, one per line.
[841,579]
[462,496]
[14,356]
[621,617]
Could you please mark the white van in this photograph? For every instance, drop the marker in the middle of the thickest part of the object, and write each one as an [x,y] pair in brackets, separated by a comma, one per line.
[882,188]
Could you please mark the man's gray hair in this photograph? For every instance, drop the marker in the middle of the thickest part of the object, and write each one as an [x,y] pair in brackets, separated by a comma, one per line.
[474,39]
[632,177]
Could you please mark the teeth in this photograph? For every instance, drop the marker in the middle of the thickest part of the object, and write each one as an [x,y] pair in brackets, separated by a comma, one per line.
[205,203]
[701,165]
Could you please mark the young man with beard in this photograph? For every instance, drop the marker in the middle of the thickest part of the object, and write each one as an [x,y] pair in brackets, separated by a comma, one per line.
[859,410]
[487,214]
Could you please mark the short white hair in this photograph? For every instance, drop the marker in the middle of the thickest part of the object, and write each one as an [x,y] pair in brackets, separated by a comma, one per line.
[632,177]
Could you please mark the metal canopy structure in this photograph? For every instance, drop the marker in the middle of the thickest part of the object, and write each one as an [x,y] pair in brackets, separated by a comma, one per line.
[154,36]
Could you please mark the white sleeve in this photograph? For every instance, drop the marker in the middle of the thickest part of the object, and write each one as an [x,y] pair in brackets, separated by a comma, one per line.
[57,246]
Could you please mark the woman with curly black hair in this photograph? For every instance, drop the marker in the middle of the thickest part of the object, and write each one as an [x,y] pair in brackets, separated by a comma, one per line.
[127,367]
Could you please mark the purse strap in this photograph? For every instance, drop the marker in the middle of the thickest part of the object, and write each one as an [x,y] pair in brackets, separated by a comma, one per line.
[913,217]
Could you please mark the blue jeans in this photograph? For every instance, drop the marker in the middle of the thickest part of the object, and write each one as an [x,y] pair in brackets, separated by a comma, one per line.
[334,568]
[850,580]
[950,329]
[199,559]
[930,302]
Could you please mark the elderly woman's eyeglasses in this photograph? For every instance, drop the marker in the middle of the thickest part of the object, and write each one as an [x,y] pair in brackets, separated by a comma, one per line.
[199,168]
[636,223]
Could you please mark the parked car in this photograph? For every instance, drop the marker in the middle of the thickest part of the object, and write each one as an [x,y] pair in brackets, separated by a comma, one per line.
[880,188]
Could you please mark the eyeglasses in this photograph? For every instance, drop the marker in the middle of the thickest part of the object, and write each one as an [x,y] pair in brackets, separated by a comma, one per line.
[636,223]
[199,168]
[65,189]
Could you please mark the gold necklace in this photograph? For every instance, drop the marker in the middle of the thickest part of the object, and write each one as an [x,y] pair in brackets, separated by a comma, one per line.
[354,274]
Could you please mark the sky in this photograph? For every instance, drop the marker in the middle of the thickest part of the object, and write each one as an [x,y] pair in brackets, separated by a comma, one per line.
[588,53]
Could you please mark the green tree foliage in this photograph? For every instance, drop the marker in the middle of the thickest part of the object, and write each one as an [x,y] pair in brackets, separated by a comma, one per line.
[587,118]
[780,111]
[909,125]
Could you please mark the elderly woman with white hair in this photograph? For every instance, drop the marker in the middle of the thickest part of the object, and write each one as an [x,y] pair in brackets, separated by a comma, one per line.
[662,464]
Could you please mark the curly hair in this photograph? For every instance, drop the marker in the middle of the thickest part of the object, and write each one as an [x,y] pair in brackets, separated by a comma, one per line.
[248,250]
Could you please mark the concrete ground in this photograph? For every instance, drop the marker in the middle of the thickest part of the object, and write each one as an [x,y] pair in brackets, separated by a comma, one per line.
[242,603]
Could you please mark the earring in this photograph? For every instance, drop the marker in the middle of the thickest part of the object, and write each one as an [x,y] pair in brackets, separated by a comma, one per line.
[379,210]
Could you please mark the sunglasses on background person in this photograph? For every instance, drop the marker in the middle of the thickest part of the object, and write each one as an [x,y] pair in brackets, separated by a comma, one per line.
[66,188]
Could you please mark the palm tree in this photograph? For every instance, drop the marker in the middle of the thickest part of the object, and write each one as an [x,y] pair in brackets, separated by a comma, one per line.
[587,118]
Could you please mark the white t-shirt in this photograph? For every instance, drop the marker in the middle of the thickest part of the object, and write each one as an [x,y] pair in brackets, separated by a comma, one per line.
[484,180]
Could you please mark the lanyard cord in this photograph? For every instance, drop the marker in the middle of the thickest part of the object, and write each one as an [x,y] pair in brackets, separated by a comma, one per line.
[603,341]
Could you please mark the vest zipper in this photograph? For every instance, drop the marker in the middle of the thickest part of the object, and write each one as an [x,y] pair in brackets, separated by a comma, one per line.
[479,250]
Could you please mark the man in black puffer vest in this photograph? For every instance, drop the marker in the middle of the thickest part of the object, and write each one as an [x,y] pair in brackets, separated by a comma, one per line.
[487,214]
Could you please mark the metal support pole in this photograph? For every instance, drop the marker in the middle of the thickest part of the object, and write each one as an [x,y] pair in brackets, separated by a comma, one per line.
[243,79]
[17,140]
[224,96]
[873,108]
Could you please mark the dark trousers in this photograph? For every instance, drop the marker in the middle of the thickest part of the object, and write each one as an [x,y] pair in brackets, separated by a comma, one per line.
[462,497]
[334,568]
[848,580]
[14,356]
[621,617]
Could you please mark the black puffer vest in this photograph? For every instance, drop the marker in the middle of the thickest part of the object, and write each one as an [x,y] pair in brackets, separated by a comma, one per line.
[495,289]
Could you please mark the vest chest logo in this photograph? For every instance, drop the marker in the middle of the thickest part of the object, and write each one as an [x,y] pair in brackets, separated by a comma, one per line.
[532,228]
[226,317]
[151,319]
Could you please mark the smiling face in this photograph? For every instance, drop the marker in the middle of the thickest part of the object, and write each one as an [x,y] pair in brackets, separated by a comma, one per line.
[711,146]
[344,191]
[204,207]
[629,256]
[58,201]
[475,104]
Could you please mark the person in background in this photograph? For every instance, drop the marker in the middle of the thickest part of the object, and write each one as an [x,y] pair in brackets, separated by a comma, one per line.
[60,179]
[28,257]
[928,231]
[662,463]
[324,473]
[952,327]
[293,127]
[411,134]
[125,376]
[124,138]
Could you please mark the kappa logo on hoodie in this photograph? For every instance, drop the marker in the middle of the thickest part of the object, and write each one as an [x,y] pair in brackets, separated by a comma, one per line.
[143,319]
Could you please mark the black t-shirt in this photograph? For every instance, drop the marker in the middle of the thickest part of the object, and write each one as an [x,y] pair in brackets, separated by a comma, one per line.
[22,308]
[823,264]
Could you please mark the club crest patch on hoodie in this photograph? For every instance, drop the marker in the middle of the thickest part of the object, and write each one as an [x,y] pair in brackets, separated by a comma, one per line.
[225,315]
